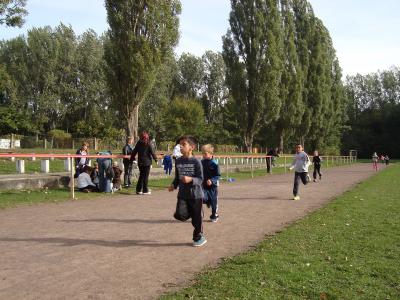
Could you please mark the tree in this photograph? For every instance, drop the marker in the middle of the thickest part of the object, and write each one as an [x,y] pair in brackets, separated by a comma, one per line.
[251,53]
[12,12]
[184,117]
[141,34]
[190,76]
[292,78]
[215,91]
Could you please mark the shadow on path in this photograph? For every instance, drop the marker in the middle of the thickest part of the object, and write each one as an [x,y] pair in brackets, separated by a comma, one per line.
[77,242]
[128,221]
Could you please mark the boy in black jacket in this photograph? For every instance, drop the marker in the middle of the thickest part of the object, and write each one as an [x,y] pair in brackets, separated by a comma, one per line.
[189,178]
[210,182]
[317,166]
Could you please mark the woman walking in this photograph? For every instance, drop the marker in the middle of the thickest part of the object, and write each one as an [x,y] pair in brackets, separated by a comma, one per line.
[145,153]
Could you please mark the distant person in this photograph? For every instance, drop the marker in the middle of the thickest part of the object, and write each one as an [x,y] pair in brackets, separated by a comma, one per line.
[387,159]
[127,150]
[167,163]
[189,179]
[273,153]
[211,174]
[85,183]
[300,164]
[375,161]
[116,181]
[317,166]
[94,175]
[81,162]
[176,153]
[145,153]
[106,173]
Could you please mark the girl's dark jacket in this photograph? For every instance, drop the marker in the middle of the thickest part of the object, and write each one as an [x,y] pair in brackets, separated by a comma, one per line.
[145,153]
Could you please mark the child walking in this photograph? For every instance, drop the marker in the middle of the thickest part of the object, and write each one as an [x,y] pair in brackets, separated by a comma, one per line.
[375,161]
[300,164]
[189,179]
[210,182]
[167,163]
[317,166]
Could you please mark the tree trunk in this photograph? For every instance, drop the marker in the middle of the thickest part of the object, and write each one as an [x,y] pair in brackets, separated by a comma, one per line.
[248,141]
[133,123]
[281,138]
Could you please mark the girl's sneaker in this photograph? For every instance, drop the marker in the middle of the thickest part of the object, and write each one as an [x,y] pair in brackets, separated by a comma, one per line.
[200,242]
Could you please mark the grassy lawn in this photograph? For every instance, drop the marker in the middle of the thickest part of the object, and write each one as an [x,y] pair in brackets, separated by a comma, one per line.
[348,250]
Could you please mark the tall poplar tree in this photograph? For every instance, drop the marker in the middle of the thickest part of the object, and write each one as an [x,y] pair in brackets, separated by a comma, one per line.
[141,33]
[292,79]
[251,50]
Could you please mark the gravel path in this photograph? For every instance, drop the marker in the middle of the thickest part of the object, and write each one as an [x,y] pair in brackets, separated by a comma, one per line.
[130,247]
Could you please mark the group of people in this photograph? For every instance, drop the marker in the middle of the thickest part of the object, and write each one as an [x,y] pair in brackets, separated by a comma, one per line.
[196,180]
[375,159]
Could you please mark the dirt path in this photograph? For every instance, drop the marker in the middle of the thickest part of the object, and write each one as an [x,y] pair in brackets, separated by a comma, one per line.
[129,247]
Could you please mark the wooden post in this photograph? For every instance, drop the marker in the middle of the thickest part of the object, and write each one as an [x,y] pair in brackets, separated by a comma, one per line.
[72,180]
[12,141]
[252,173]
[285,165]
[227,168]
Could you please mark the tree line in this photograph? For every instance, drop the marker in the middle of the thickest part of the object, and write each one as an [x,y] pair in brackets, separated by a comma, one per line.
[277,81]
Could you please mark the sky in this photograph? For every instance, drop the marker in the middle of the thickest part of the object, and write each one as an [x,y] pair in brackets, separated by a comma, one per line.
[365,33]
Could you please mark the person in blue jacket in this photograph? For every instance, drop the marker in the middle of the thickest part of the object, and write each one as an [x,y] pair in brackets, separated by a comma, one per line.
[167,163]
[211,174]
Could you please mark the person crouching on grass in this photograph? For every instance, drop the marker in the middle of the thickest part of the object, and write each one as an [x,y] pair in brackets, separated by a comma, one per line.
[210,182]
[300,164]
[189,179]
[85,183]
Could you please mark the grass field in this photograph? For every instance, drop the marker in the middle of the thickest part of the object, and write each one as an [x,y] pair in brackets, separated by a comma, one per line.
[348,250]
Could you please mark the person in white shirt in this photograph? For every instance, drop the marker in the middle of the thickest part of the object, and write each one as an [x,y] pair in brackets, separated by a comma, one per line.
[300,165]
[85,183]
[176,153]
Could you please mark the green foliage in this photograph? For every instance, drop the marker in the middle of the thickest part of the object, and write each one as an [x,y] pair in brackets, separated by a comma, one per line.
[374,113]
[141,34]
[184,117]
[12,12]
[254,66]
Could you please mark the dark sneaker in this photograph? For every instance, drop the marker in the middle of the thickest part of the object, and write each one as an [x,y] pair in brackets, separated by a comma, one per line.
[214,219]
[200,242]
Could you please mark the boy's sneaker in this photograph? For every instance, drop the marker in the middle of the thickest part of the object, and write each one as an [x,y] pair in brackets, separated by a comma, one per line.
[85,191]
[320,177]
[295,198]
[200,242]
[214,218]
[139,193]
[315,180]
[147,193]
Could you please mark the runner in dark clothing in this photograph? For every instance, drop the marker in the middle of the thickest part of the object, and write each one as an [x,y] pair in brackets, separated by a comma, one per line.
[317,166]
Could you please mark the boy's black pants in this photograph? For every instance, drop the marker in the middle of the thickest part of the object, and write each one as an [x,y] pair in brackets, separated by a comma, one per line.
[317,169]
[195,207]
[143,180]
[297,177]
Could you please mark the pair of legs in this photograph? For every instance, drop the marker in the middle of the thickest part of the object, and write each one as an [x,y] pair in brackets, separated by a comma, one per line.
[195,208]
[375,165]
[303,176]
[211,199]
[168,170]
[89,188]
[317,169]
[127,173]
[141,186]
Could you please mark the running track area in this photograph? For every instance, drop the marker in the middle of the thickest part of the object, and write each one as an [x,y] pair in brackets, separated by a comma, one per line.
[130,247]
